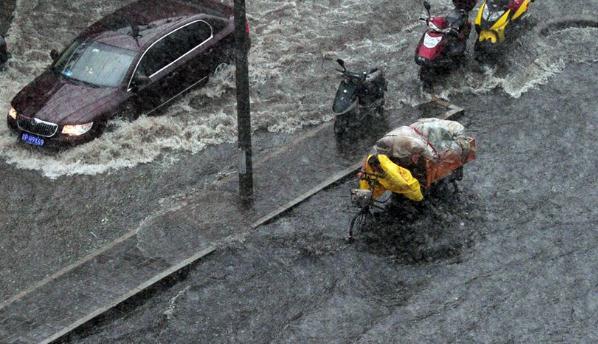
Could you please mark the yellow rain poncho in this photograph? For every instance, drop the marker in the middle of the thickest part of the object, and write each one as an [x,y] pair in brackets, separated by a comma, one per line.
[394,179]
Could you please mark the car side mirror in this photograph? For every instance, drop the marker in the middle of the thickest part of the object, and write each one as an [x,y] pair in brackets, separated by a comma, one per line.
[54,54]
[341,63]
[139,82]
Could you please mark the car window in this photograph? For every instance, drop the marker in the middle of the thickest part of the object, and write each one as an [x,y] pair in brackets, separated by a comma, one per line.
[218,24]
[156,58]
[173,46]
[193,35]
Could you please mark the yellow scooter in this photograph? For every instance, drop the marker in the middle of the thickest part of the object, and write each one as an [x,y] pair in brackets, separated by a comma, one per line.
[494,18]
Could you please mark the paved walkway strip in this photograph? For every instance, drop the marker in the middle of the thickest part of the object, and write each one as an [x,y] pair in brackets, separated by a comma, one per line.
[133,292]
[60,304]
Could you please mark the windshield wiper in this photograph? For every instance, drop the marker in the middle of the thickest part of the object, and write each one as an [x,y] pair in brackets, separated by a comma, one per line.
[77,81]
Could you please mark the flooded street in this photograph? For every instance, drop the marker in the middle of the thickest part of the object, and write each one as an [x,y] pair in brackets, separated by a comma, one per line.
[512,258]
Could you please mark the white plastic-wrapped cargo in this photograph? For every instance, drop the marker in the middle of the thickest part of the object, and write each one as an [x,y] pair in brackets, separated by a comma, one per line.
[430,137]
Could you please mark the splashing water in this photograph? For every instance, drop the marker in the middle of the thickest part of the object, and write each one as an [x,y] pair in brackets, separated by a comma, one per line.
[291,74]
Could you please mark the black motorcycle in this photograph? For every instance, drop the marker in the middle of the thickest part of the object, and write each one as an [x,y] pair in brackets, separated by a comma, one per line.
[359,96]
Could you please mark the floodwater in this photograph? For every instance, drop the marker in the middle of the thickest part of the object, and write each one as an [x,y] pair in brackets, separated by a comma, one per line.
[292,76]
[509,259]
[57,207]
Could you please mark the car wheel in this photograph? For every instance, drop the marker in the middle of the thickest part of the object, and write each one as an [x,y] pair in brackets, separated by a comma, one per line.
[98,128]
[129,113]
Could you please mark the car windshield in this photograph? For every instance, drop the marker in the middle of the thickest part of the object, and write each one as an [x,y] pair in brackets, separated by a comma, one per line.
[95,63]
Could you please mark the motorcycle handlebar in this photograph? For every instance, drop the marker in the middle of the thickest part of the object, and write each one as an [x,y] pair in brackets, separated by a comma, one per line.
[356,75]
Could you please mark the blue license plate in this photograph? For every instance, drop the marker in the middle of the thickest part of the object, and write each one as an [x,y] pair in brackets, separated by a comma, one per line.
[32,139]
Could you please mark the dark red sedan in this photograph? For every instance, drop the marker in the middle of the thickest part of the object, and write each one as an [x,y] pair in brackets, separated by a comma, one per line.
[129,63]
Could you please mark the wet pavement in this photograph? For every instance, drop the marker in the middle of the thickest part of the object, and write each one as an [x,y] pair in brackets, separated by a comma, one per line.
[108,187]
[170,239]
[511,258]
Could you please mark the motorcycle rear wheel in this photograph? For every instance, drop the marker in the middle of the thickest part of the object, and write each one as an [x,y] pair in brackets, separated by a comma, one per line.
[426,76]
[340,126]
[342,123]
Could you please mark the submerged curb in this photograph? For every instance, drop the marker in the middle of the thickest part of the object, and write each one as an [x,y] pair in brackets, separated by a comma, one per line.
[452,111]
[64,333]
[566,23]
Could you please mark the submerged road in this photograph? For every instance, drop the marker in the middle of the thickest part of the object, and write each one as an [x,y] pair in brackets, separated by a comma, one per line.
[512,258]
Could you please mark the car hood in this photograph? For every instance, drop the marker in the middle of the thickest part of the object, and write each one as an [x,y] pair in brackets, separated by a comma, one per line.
[53,98]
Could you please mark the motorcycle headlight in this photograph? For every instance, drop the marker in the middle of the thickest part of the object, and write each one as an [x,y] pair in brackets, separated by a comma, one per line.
[76,129]
[12,113]
[433,27]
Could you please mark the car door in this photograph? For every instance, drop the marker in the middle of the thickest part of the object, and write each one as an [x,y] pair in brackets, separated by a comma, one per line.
[150,77]
[194,64]
[173,65]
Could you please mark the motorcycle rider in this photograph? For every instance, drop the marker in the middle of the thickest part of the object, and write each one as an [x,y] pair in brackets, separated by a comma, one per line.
[457,20]
[466,5]
[384,175]
[505,4]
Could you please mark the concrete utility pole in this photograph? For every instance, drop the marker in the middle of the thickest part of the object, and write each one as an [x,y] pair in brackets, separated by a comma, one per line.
[243,105]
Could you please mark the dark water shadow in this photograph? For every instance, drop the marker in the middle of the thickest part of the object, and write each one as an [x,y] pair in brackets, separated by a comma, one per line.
[360,137]
[441,228]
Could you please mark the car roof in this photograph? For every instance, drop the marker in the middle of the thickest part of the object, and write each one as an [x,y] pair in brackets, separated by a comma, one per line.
[152,19]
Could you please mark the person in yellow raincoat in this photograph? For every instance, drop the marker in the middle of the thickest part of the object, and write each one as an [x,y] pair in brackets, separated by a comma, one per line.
[380,174]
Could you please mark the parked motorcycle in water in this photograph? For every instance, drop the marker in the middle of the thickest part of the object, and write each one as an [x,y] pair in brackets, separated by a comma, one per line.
[359,96]
[494,19]
[444,43]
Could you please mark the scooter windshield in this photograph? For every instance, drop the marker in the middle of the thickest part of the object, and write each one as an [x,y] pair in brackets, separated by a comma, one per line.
[492,12]
[345,97]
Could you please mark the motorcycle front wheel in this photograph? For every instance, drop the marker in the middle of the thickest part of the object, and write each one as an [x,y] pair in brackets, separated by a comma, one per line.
[341,124]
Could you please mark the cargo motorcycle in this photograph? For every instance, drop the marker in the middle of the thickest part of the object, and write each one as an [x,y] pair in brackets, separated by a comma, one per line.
[386,176]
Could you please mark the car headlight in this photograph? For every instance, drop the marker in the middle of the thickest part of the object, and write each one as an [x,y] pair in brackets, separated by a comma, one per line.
[76,129]
[12,113]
